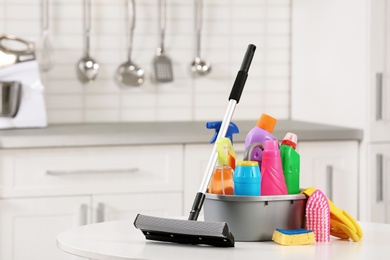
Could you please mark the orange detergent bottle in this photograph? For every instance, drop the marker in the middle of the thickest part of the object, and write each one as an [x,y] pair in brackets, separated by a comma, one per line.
[222,179]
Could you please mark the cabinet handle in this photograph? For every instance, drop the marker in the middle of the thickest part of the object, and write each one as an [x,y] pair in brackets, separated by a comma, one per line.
[100,212]
[329,181]
[379,93]
[83,214]
[379,177]
[90,171]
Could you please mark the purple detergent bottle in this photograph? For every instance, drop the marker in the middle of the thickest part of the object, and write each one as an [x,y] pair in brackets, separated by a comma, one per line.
[273,182]
[255,139]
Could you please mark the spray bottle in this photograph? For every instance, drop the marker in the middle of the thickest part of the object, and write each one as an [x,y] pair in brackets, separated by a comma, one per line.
[273,182]
[257,137]
[290,162]
[222,179]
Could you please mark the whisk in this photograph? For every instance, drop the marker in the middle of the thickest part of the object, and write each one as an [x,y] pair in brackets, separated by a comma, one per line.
[45,54]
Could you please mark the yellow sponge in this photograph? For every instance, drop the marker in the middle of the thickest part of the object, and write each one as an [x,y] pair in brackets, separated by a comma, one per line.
[293,237]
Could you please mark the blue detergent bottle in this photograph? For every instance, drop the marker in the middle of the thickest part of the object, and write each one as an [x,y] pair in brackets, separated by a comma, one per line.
[247,179]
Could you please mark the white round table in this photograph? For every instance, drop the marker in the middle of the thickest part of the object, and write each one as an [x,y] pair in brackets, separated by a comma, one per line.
[120,240]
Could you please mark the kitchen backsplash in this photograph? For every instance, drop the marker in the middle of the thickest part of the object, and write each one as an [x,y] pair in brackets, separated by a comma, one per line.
[228,27]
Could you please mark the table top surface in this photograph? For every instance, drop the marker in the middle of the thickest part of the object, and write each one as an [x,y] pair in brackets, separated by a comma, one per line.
[120,240]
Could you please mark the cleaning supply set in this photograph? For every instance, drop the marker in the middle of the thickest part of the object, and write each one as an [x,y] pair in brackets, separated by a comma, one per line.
[192,231]
[254,199]
[268,203]
[278,167]
[261,201]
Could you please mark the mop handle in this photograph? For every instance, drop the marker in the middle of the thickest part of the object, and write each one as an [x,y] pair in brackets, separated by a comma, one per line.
[234,98]
[214,155]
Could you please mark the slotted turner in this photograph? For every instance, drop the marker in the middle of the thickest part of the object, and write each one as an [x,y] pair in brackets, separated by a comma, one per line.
[162,64]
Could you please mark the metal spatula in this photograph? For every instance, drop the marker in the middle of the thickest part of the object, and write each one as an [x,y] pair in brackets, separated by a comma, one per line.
[162,64]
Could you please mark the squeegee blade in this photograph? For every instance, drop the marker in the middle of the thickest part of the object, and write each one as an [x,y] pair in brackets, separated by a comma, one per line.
[185,231]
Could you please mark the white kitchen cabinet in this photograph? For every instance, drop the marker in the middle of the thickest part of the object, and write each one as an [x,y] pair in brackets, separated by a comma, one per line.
[379,182]
[90,170]
[377,146]
[332,167]
[380,71]
[127,206]
[341,53]
[329,58]
[46,191]
[29,226]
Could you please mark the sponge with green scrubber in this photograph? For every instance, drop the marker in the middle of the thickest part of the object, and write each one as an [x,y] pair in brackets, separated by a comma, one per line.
[288,237]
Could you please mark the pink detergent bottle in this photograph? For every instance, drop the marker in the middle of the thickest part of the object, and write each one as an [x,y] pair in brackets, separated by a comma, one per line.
[273,182]
[257,136]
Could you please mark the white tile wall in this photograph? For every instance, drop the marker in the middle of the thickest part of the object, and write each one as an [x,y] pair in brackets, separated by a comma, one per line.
[228,27]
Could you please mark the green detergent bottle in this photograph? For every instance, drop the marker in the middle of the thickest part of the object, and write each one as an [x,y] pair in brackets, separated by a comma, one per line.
[290,162]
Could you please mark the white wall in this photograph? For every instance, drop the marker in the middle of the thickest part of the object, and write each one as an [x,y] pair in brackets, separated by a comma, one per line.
[229,27]
[330,61]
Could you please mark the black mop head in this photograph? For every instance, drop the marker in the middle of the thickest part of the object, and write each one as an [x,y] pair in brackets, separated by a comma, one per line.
[185,231]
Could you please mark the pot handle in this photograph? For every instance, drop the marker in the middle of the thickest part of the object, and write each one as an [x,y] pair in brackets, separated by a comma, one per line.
[29,46]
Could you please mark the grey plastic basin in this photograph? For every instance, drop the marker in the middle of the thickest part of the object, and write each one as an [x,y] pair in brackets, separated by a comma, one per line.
[254,218]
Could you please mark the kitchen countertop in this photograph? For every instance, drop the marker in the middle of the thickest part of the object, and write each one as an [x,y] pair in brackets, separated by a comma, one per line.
[143,133]
[119,240]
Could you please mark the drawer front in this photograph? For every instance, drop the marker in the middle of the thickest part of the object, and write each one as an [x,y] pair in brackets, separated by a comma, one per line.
[91,170]
[127,206]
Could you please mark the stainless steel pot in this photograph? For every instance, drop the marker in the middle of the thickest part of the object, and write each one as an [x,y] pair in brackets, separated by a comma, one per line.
[10,95]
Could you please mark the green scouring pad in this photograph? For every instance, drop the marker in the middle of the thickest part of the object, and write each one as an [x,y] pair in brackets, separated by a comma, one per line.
[293,237]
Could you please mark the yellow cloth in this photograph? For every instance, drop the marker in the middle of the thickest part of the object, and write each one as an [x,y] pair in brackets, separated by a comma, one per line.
[342,225]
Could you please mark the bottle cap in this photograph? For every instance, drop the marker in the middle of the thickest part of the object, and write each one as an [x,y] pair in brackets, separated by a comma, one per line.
[266,122]
[271,145]
[290,139]
[247,163]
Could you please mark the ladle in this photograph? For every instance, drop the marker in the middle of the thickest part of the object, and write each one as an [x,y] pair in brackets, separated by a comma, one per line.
[199,66]
[128,73]
[87,67]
